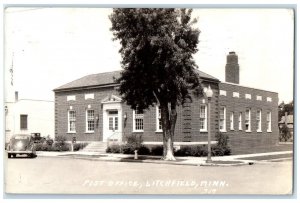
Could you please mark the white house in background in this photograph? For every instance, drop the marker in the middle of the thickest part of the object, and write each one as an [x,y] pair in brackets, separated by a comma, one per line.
[26,116]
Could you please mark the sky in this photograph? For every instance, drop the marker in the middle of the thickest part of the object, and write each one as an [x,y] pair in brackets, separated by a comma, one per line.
[49,47]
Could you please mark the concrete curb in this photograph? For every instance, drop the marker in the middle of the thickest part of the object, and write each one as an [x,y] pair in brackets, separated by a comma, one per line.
[128,159]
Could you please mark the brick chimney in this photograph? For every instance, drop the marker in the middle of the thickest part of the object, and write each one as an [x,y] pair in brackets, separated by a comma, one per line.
[232,68]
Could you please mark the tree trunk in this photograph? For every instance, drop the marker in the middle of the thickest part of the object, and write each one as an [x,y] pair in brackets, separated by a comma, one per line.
[168,126]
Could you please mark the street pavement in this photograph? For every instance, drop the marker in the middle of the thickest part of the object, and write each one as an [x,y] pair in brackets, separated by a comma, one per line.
[69,175]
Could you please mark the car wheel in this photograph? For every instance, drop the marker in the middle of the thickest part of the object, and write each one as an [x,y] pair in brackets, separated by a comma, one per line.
[9,155]
[14,155]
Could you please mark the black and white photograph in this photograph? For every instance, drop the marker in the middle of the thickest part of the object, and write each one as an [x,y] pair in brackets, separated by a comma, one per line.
[148,100]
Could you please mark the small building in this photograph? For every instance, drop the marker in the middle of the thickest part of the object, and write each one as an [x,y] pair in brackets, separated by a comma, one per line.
[90,109]
[26,116]
[287,120]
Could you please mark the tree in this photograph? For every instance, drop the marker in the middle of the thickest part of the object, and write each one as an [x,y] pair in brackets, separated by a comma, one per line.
[158,68]
[282,108]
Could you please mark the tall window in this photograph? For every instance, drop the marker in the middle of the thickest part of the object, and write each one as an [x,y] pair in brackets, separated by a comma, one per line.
[203,118]
[90,121]
[138,120]
[231,121]
[269,129]
[158,119]
[248,120]
[240,121]
[72,121]
[258,120]
[223,119]
[23,122]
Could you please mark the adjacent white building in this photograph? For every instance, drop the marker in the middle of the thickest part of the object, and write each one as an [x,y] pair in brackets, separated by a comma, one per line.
[28,116]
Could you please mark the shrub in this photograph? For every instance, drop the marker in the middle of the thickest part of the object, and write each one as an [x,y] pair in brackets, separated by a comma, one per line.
[285,134]
[55,147]
[143,150]
[135,140]
[60,139]
[183,151]
[115,148]
[128,149]
[78,146]
[157,150]
[49,141]
[222,147]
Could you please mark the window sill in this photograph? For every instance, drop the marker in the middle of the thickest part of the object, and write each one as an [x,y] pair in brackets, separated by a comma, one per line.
[137,131]
[223,131]
[269,131]
[71,132]
[259,131]
[158,131]
[231,129]
[203,131]
[240,129]
[248,131]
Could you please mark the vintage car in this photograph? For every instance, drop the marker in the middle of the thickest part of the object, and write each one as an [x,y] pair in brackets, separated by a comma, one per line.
[21,144]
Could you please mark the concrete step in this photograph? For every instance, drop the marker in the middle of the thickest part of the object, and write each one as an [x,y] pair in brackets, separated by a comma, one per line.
[95,147]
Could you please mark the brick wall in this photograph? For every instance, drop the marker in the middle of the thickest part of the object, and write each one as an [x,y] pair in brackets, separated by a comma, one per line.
[80,105]
[188,121]
[240,139]
[187,126]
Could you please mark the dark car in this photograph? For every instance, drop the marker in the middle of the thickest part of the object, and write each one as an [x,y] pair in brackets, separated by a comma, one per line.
[21,144]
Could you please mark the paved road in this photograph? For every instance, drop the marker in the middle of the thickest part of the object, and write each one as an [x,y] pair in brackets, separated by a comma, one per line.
[76,176]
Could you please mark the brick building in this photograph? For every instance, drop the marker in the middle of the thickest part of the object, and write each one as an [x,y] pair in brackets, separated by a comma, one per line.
[90,109]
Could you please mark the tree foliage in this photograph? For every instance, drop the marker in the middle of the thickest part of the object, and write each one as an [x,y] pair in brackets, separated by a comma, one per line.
[157,47]
[282,108]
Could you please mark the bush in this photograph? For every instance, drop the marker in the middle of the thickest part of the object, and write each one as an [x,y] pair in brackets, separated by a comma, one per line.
[157,150]
[115,148]
[128,149]
[285,134]
[222,147]
[143,150]
[78,146]
[135,140]
[55,147]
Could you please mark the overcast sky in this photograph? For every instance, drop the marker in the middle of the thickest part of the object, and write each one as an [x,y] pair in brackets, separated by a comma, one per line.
[50,47]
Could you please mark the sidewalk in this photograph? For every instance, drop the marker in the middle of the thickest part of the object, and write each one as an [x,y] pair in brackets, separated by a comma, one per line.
[232,160]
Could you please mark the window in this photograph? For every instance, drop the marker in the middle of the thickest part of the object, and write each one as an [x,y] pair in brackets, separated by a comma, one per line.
[89,96]
[259,98]
[23,122]
[236,94]
[223,119]
[248,96]
[269,121]
[223,92]
[113,120]
[203,118]
[240,121]
[90,121]
[158,119]
[72,121]
[71,98]
[138,120]
[269,99]
[248,120]
[231,121]
[258,121]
